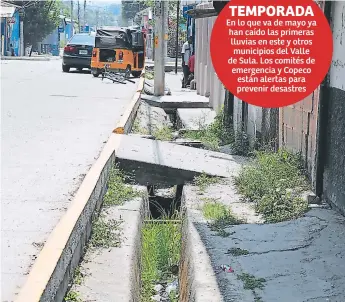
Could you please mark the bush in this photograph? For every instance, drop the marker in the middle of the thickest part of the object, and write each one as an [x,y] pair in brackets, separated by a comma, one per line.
[213,135]
[274,182]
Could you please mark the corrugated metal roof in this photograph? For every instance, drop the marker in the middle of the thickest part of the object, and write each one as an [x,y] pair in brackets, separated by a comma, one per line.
[7,11]
[192,2]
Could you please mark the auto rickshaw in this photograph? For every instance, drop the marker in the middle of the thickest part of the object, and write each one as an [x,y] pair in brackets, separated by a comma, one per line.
[121,49]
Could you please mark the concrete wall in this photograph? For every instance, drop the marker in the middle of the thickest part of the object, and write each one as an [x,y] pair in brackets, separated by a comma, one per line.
[298,130]
[207,82]
[334,170]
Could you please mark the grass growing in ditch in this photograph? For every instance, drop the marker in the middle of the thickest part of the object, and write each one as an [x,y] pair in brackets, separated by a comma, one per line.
[213,135]
[164,133]
[274,181]
[136,129]
[105,233]
[221,216]
[118,192]
[161,244]
[72,296]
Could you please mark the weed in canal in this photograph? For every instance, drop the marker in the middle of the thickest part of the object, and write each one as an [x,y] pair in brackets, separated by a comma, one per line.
[149,74]
[137,129]
[78,276]
[105,233]
[274,181]
[161,243]
[236,251]
[72,296]
[213,135]
[209,140]
[203,181]
[220,215]
[118,192]
[164,133]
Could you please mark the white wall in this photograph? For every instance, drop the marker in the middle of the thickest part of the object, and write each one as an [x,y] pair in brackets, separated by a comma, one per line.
[207,82]
[254,120]
[337,72]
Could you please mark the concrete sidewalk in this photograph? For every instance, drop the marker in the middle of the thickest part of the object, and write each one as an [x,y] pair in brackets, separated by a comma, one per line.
[301,260]
[156,162]
[32,58]
[169,64]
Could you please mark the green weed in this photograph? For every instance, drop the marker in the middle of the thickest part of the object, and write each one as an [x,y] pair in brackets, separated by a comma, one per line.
[164,133]
[161,243]
[203,181]
[149,74]
[118,192]
[251,282]
[78,276]
[241,144]
[235,251]
[213,135]
[72,296]
[136,129]
[221,217]
[105,233]
[274,182]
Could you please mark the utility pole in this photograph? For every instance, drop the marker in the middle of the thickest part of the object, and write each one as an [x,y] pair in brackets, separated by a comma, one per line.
[177,28]
[159,73]
[78,15]
[21,28]
[72,23]
[84,13]
[97,17]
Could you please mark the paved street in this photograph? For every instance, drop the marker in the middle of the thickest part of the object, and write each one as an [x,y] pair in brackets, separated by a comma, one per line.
[53,126]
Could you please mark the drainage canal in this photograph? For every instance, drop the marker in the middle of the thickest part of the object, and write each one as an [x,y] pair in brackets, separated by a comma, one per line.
[161,245]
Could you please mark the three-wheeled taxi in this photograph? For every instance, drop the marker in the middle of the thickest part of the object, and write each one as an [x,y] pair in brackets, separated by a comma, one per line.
[121,49]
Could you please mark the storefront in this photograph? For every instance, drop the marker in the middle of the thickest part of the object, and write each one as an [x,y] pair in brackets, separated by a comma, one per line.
[10,30]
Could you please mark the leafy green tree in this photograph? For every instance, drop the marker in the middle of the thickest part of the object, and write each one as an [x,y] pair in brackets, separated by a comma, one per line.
[40,19]
[130,8]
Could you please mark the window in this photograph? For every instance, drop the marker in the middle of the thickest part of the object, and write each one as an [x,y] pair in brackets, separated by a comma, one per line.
[83,40]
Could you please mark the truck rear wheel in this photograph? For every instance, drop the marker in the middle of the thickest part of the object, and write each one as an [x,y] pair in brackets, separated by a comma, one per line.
[136,74]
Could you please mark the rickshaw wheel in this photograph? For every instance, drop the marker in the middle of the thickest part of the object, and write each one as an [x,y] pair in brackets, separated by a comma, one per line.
[95,75]
[136,74]
[128,71]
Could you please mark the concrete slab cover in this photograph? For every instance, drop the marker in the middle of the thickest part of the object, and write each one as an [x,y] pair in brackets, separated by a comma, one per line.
[181,100]
[164,158]
[196,118]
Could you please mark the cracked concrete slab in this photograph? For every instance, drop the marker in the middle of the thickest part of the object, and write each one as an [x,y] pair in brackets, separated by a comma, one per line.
[195,118]
[152,162]
[301,260]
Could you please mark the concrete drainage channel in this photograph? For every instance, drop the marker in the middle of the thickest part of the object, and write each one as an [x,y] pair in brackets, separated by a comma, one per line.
[135,245]
[126,235]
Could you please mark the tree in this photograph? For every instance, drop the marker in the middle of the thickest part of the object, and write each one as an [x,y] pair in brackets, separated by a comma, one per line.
[130,8]
[40,19]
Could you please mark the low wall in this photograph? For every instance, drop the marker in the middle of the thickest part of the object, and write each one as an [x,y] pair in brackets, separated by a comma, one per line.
[196,275]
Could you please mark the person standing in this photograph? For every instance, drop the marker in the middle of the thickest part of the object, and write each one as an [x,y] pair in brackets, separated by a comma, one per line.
[187,50]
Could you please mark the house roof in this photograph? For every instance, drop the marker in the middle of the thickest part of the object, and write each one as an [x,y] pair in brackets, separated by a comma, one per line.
[7,11]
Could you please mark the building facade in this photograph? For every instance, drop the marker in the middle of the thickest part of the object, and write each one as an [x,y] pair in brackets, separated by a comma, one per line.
[313,127]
